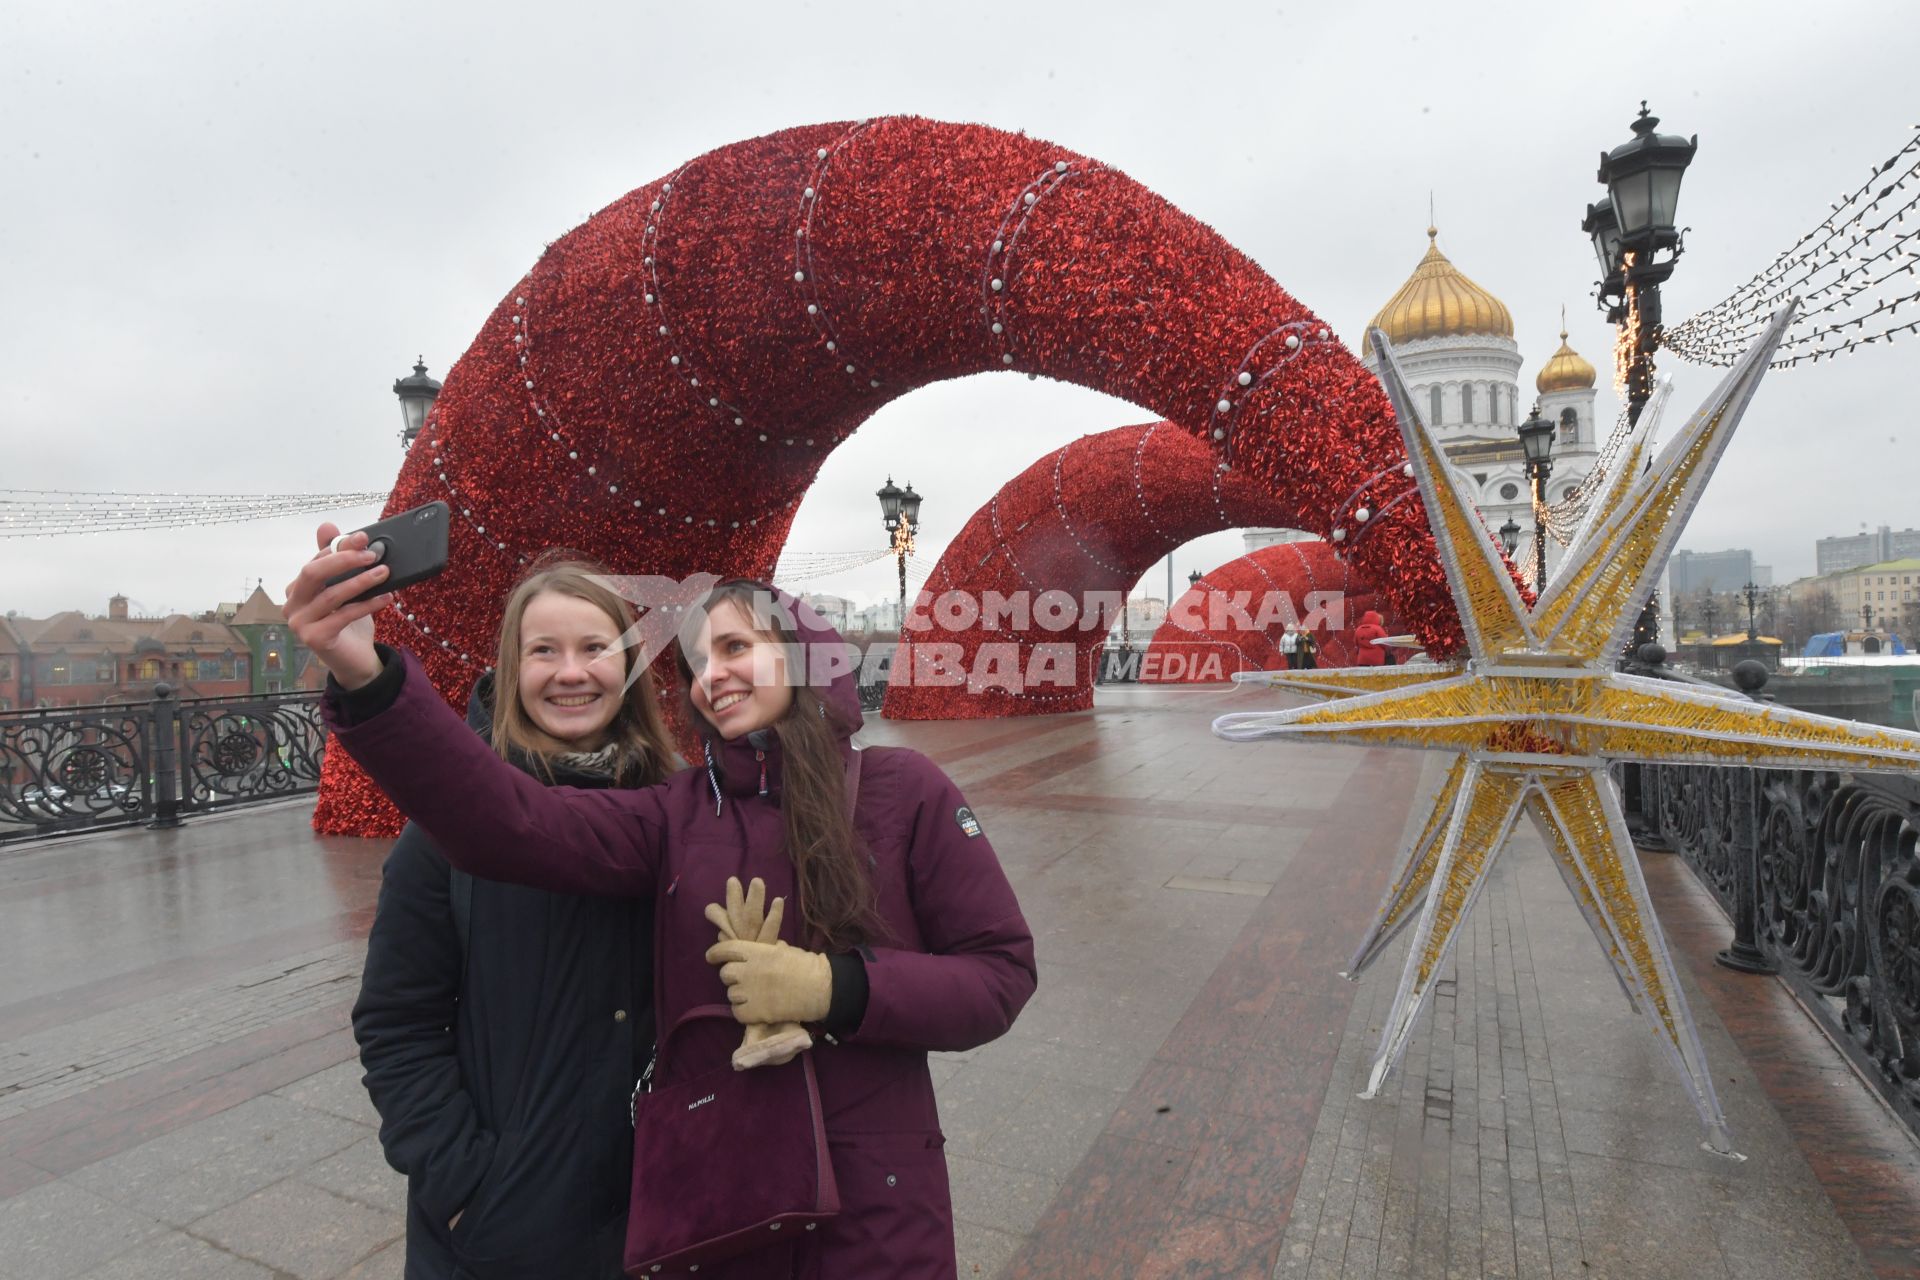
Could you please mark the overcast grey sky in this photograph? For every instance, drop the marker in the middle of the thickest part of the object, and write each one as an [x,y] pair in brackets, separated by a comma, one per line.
[228,226]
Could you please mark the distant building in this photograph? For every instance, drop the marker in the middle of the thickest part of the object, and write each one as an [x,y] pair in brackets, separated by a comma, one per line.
[71,659]
[1886,588]
[1834,601]
[1258,538]
[881,618]
[279,663]
[1830,555]
[1689,572]
[835,611]
[12,654]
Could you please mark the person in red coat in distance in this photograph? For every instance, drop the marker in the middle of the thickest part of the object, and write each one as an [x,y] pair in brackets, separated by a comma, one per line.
[1366,637]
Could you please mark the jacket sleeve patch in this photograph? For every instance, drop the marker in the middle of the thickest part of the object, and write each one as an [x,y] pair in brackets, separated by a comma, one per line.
[968,823]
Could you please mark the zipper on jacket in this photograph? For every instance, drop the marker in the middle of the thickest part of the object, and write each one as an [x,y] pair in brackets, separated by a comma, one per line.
[713,780]
[761,756]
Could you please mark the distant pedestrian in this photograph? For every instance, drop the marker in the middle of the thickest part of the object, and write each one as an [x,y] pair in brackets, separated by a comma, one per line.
[1367,637]
[1290,648]
[1309,651]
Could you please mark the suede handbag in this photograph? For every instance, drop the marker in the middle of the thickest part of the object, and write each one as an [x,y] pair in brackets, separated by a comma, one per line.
[726,1162]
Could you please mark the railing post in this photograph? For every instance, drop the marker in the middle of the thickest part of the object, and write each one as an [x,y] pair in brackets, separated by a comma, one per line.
[1745,954]
[164,717]
[1641,808]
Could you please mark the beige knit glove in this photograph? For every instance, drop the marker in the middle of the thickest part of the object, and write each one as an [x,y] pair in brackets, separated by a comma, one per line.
[746,918]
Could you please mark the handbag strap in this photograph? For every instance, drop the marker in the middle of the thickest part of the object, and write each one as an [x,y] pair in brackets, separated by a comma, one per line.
[699,1013]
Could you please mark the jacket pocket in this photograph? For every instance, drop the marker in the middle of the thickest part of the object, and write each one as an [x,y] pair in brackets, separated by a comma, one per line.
[896,1212]
[529,1215]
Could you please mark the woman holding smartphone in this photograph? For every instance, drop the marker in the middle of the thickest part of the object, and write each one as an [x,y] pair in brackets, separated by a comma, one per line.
[502,1027]
[901,935]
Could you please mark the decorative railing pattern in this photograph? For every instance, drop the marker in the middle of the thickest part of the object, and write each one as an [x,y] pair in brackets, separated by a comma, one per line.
[1820,876]
[66,769]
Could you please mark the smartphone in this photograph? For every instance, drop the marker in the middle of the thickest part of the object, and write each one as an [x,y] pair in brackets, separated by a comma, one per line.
[413,546]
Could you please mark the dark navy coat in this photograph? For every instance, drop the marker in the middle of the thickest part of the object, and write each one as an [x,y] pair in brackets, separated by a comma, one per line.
[501,1068]
[957,970]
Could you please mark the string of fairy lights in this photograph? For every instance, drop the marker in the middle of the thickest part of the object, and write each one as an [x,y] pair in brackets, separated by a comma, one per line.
[1562,519]
[52,513]
[1854,272]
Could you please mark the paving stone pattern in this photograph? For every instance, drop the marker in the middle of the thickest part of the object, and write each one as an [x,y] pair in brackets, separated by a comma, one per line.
[39,1069]
[1535,1130]
[179,1097]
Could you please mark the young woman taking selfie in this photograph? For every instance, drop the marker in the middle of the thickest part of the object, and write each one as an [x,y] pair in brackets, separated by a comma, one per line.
[900,934]
[502,1027]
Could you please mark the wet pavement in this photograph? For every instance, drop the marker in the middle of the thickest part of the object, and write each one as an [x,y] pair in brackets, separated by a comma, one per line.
[179,1095]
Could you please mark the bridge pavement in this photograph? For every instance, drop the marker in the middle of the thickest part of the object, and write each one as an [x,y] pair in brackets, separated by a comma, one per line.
[179,1096]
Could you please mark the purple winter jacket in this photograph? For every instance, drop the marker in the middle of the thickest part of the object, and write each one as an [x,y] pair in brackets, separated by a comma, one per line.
[956,971]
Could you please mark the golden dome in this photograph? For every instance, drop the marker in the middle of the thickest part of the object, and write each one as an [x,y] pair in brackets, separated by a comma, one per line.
[1438,302]
[1565,371]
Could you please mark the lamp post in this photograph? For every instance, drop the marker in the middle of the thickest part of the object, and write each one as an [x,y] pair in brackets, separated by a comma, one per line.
[1536,442]
[1866,616]
[1629,230]
[417,392]
[900,513]
[1709,612]
[1752,593]
[1510,536]
[1193,579]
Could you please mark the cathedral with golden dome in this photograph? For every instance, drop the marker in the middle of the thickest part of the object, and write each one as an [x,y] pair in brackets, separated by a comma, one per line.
[1455,344]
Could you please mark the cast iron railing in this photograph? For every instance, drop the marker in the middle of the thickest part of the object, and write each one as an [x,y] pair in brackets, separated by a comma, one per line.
[1819,875]
[66,769]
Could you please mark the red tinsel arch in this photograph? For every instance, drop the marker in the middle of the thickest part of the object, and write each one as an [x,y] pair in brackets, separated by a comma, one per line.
[1222,615]
[661,388]
[1085,521]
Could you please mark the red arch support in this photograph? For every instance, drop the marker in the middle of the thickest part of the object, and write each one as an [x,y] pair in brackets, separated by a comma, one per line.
[1049,556]
[1237,613]
[661,388]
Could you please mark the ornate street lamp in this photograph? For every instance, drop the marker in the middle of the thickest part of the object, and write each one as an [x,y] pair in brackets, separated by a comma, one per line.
[1866,616]
[1193,579]
[1753,594]
[910,508]
[417,393]
[1536,443]
[1510,536]
[1636,221]
[900,513]
[1604,228]
[1709,611]
[1643,184]
[889,495]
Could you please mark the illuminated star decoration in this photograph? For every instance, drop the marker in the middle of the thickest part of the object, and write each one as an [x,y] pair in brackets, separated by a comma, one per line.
[1407,893]
[1537,714]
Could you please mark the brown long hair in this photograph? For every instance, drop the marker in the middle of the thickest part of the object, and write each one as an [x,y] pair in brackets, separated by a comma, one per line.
[646,754]
[837,903]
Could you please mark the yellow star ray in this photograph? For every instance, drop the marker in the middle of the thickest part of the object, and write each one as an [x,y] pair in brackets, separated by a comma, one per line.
[1632,462]
[1537,715]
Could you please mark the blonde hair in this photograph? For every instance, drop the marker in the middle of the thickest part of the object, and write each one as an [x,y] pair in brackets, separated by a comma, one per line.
[646,753]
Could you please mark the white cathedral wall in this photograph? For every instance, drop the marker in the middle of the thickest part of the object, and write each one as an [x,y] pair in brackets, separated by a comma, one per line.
[1483,362]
